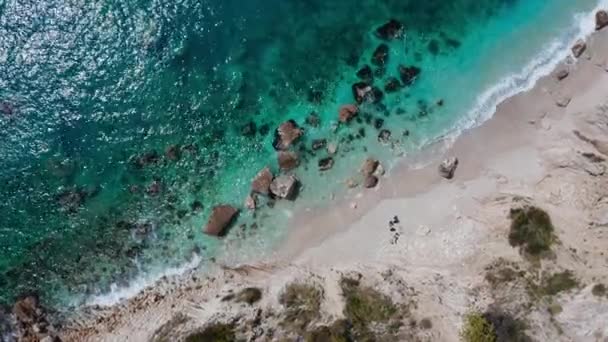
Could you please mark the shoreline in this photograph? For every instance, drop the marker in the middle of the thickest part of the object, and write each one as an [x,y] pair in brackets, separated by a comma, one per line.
[520,120]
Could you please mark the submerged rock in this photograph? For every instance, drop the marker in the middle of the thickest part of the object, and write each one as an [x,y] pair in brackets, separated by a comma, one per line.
[287,133]
[408,74]
[261,182]
[326,163]
[601,19]
[284,187]
[249,129]
[392,85]
[448,167]
[360,91]
[288,160]
[173,152]
[384,136]
[318,144]
[313,120]
[366,74]
[380,55]
[146,159]
[390,30]
[579,47]
[220,219]
[71,200]
[347,113]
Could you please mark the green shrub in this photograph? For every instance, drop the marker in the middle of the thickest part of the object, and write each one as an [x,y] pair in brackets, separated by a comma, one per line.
[558,282]
[302,305]
[477,329]
[214,333]
[531,230]
[339,331]
[249,295]
[599,290]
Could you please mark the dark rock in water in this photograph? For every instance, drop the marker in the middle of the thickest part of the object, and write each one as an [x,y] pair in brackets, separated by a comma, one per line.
[196,206]
[315,96]
[366,74]
[370,181]
[439,103]
[288,160]
[361,132]
[264,129]
[376,95]
[392,85]
[71,200]
[378,123]
[408,74]
[384,136]
[360,91]
[347,113]
[220,219]
[154,188]
[326,163]
[433,47]
[313,120]
[601,19]
[390,30]
[6,108]
[146,159]
[287,133]
[261,182]
[369,166]
[448,167]
[249,129]
[172,152]
[380,72]
[380,56]
[31,321]
[579,47]
[318,144]
[284,187]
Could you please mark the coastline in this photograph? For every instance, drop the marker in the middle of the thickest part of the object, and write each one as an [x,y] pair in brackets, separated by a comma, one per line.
[513,153]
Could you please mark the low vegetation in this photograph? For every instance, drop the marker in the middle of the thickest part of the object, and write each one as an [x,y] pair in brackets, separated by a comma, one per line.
[214,333]
[339,331]
[531,231]
[302,305]
[249,295]
[599,290]
[506,327]
[477,328]
[553,284]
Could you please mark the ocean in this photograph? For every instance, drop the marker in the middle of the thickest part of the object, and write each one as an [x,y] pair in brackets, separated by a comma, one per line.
[122,123]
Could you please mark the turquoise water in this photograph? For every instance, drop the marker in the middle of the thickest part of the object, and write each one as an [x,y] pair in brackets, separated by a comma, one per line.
[89,87]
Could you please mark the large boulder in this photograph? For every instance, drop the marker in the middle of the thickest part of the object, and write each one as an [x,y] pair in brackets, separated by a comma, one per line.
[220,219]
[370,181]
[361,91]
[380,55]
[579,47]
[601,19]
[288,160]
[287,133]
[347,113]
[408,74]
[448,167]
[284,187]
[390,30]
[261,182]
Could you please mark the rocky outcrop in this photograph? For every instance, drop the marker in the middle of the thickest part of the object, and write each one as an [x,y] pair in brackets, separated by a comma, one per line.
[601,19]
[146,159]
[261,182]
[448,167]
[287,133]
[380,55]
[361,91]
[220,219]
[391,30]
[409,74]
[288,160]
[284,187]
[347,113]
[579,47]
[32,324]
[326,163]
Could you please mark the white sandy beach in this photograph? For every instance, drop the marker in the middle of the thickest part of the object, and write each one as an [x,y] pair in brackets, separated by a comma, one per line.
[447,233]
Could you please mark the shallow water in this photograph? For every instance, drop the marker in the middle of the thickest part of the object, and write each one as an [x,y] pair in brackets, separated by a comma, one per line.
[87,87]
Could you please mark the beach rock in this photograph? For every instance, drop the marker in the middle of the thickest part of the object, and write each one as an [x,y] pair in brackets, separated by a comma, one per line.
[601,19]
[448,167]
[220,219]
[408,74]
[347,113]
[579,47]
[392,85]
[251,202]
[369,166]
[561,74]
[313,120]
[287,133]
[378,123]
[326,163]
[318,144]
[390,30]
[261,182]
[361,91]
[366,74]
[284,187]
[172,152]
[563,101]
[249,129]
[288,160]
[370,181]
[384,136]
[379,171]
[380,55]
[332,148]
